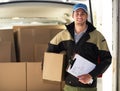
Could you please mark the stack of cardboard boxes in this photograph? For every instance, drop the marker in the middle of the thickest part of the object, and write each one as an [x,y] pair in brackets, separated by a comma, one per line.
[20,69]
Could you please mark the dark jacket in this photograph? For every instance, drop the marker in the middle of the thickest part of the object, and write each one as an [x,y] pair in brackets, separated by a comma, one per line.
[91,45]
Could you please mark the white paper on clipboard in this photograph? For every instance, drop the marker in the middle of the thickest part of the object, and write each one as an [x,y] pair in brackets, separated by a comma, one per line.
[81,66]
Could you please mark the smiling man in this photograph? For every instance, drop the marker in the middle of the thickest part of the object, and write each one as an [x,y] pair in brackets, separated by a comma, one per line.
[82,38]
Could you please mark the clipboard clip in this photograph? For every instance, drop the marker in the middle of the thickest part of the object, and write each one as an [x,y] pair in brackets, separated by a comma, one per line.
[72,62]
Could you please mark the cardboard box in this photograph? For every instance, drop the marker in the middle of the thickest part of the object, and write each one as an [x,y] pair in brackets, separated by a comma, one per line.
[39,52]
[5,51]
[25,76]
[25,45]
[13,76]
[6,35]
[53,66]
[28,37]
[35,81]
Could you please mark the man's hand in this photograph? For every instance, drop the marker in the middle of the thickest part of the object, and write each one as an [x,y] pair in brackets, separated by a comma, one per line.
[85,79]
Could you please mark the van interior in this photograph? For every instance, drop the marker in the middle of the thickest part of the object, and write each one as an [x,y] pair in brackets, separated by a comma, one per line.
[26,27]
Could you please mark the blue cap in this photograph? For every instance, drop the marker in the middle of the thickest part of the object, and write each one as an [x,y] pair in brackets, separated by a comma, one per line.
[80,6]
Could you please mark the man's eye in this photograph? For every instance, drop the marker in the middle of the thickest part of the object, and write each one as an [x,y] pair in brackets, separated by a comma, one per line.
[83,14]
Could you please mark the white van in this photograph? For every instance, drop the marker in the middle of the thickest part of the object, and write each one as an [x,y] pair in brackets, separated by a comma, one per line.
[29,12]
[26,27]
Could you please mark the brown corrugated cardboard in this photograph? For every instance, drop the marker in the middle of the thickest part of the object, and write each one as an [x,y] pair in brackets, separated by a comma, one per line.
[53,66]
[5,51]
[12,76]
[6,35]
[30,36]
[41,36]
[25,42]
[39,52]
[35,81]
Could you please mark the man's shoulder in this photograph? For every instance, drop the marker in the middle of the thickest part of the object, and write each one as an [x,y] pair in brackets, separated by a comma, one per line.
[96,33]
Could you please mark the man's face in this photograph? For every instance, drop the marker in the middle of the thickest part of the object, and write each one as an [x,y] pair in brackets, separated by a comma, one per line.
[80,16]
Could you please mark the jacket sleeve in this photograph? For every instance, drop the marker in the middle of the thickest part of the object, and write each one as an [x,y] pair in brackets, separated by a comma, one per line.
[55,45]
[104,55]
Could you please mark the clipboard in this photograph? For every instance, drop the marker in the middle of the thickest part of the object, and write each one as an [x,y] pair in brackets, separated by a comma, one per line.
[81,66]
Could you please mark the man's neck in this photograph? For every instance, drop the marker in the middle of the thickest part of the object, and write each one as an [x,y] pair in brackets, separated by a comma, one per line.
[80,28]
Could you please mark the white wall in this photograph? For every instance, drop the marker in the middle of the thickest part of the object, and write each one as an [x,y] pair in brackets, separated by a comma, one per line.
[102,12]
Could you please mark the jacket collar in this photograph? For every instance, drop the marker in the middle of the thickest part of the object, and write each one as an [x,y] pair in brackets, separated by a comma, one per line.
[71,27]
